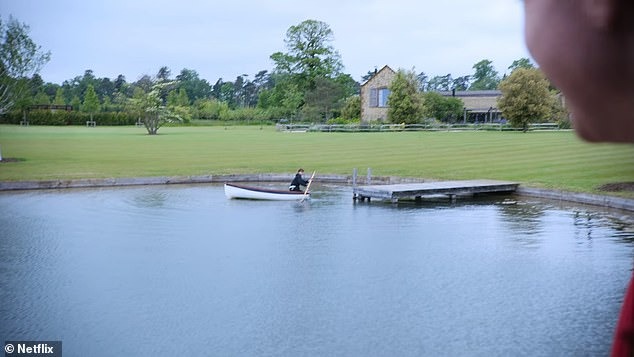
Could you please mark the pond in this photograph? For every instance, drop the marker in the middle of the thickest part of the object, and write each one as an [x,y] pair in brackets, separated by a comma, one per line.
[181,270]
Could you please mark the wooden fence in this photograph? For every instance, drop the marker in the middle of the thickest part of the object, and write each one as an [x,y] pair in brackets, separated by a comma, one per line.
[409,127]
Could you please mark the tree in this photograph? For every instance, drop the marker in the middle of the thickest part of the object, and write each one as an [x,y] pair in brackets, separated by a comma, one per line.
[405,102]
[310,54]
[120,83]
[461,83]
[442,108]
[182,99]
[525,97]
[41,98]
[91,101]
[440,83]
[423,79]
[323,99]
[196,88]
[150,106]
[521,63]
[163,74]
[352,108]
[368,75]
[75,102]
[485,76]
[20,58]
[106,105]
[59,97]
[284,96]
[348,85]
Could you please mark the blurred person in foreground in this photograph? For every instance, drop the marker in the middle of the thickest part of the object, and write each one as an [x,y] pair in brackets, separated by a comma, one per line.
[586,48]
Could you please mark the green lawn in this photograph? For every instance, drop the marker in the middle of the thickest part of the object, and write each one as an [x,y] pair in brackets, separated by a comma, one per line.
[542,159]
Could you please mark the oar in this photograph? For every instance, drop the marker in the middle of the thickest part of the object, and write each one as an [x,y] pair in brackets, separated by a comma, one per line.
[307,187]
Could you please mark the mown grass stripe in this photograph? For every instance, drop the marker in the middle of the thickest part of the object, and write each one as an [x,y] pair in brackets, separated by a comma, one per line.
[545,159]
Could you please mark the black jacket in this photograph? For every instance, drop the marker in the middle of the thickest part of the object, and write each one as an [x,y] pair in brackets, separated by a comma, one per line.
[297,181]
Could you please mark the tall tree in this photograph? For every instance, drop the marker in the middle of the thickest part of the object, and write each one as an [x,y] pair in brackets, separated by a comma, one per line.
[216,89]
[423,79]
[440,83]
[196,87]
[485,76]
[348,85]
[368,75]
[405,102]
[75,102]
[59,97]
[310,53]
[20,58]
[119,83]
[461,83]
[163,74]
[145,83]
[525,97]
[521,63]
[323,99]
[262,80]
[104,87]
[41,98]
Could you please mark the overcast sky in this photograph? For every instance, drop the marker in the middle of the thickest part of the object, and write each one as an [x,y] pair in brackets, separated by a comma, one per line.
[232,37]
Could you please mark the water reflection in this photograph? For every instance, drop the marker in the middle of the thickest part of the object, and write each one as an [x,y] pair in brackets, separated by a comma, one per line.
[523,218]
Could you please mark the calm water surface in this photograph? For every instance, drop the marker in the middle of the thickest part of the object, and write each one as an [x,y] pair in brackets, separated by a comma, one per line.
[180,270]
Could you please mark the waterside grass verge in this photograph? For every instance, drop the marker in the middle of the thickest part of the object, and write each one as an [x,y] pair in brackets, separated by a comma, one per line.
[554,160]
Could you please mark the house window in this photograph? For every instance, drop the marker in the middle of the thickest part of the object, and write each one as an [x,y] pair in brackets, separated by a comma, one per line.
[378,97]
[383,94]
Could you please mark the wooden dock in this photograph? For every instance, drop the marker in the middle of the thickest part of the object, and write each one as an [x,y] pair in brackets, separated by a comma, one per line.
[418,190]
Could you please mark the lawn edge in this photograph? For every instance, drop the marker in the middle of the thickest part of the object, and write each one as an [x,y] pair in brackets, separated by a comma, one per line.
[553,194]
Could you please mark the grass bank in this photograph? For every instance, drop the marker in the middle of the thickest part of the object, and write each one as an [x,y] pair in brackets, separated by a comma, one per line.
[556,160]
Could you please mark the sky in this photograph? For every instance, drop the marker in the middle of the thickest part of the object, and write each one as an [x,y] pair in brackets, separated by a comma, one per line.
[228,38]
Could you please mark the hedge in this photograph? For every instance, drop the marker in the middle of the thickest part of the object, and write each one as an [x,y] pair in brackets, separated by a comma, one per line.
[47,117]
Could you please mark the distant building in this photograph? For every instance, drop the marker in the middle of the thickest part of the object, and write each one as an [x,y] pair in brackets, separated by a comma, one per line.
[479,106]
[374,94]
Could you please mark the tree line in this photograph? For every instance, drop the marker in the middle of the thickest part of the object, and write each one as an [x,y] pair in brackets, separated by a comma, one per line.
[307,83]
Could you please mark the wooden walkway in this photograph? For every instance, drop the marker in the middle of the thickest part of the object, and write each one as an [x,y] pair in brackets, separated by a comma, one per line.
[418,190]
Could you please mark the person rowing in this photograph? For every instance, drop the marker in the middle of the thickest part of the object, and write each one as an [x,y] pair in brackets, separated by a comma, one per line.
[298,181]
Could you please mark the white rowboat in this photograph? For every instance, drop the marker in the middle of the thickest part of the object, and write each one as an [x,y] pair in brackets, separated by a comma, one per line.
[258,193]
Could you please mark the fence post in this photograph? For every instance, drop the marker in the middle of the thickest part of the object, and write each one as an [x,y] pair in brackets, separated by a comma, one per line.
[368,178]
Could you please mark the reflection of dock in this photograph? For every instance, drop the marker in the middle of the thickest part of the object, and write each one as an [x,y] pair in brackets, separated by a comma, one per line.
[418,190]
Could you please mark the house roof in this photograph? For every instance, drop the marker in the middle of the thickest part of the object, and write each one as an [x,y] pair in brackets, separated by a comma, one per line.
[478,101]
[385,68]
[472,93]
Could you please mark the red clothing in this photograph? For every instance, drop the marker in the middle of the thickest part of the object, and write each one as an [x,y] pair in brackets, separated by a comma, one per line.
[624,335]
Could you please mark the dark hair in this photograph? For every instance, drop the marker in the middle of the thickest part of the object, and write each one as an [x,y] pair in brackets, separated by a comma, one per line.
[300,170]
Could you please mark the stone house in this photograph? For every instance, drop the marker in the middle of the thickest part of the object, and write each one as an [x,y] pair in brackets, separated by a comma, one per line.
[479,106]
[374,94]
